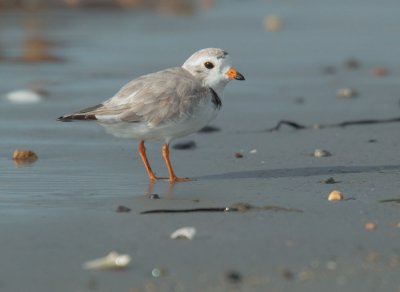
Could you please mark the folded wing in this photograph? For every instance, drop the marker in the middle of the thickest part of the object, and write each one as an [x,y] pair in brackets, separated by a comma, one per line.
[154,98]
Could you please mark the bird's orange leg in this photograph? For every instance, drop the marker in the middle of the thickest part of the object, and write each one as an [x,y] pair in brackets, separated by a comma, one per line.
[142,153]
[172,176]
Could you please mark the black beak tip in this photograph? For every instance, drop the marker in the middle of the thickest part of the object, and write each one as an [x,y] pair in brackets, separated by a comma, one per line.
[239,76]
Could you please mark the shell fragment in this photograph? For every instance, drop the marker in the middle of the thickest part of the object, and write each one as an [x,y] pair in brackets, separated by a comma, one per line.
[113,261]
[184,233]
[23,96]
[335,196]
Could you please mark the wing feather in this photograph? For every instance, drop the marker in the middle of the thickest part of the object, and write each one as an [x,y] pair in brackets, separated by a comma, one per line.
[159,97]
[154,98]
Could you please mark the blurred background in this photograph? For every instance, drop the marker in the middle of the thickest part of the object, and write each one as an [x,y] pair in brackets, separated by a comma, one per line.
[287,48]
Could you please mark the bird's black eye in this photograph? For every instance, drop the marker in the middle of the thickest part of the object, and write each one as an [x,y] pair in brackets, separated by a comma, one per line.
[208,65]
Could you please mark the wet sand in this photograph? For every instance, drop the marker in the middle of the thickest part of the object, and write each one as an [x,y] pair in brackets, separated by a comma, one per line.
[59,212]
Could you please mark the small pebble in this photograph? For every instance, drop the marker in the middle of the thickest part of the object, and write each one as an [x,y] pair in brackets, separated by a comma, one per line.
[273,23]
[233,277]
[154,196]
[380,72]
[330,180]
[209,129]
[352,63]
[238,155]
[335,196]
[287,274]
[122,209]
[158,272]
[24,155]
[321,153]
[188,145]
[370,226]
[372,141]
[346,92]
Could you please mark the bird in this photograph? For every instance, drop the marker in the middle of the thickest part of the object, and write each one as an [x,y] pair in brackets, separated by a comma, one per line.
[165,105]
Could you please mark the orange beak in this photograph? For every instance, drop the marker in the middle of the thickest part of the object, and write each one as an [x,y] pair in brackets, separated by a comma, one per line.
[233,74]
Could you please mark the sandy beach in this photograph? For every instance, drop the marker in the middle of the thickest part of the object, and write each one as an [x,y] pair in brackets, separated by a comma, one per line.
[60,211]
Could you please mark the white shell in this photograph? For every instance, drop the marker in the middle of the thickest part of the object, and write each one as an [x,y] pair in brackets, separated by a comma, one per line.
[184,233]
[112,261]
[335,196]
[346,92]
[253,151]
[23,96]
[321,153]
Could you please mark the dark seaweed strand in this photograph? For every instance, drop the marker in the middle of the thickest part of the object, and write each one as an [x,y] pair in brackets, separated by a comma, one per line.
[294,125]
[298,126]
[187,210]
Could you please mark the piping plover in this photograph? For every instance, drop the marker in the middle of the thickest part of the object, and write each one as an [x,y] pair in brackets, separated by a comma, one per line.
[166,104]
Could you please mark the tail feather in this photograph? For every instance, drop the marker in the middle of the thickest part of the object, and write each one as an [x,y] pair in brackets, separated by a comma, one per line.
[77,117]
[87,114]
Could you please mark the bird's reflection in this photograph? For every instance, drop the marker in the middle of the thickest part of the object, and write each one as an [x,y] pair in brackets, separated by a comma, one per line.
[168,194]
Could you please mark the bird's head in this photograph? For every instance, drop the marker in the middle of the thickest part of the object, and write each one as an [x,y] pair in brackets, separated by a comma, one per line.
[213,67]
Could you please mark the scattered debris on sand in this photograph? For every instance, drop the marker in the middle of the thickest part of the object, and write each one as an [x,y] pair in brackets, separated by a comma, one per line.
[22,157]
[188,145]
[335,196]
[23,96]
[380,72]
[346,92]
[113,261]
[298,126]
[209,129]
[273,23]
[352,63]
[158,272]
[321,153]
[331,180]
[122,209]
[370,226]
[184,233]
[233,277]
[238,155]
[237,207]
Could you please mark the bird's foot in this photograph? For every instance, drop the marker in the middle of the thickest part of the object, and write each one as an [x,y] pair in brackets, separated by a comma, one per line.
[175,179]
[172,179]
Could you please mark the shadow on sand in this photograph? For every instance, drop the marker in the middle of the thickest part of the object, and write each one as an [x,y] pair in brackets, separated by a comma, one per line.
[300,172]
